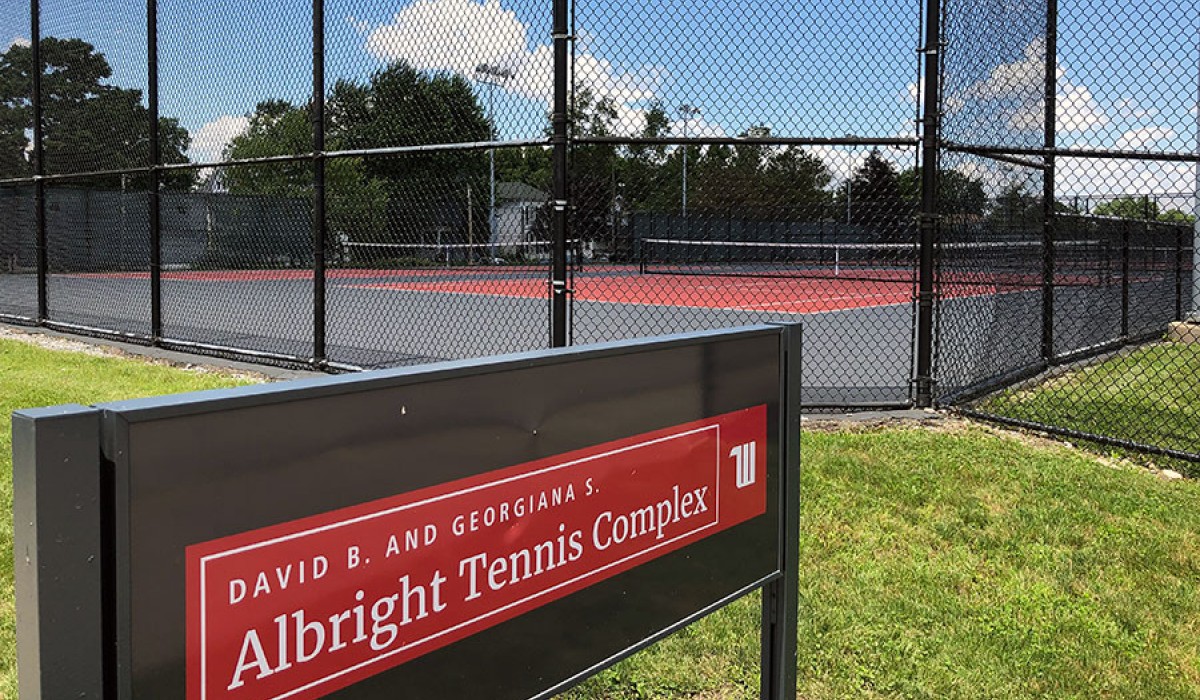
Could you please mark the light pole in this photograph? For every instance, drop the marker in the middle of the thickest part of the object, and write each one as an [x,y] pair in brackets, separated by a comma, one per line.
[687,112]
[492,76]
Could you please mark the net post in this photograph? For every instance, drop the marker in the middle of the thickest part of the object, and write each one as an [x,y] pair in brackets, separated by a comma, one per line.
[39,158]
[319,224]
[560,143]
[155,174]
[930,176]
[1050,139]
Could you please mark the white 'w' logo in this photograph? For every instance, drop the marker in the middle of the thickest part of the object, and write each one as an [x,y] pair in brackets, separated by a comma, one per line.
[746,456]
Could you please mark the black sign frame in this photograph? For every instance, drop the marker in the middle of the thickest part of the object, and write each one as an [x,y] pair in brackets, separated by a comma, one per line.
[73,500]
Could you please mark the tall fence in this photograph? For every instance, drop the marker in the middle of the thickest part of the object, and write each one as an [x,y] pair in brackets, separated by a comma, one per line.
[986,204]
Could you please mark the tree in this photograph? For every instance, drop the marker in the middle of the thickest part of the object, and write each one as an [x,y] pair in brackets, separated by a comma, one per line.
[959,196]
[427,192]
[404,198]
[874,199]
[87,124]
[354,203]
[1175,216]
[1016,208]
[275,128]
[1128,207]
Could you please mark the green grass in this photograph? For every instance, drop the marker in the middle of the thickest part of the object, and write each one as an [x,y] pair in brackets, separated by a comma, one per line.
[963,565]
[1149,395]
[31,376]
[934,564]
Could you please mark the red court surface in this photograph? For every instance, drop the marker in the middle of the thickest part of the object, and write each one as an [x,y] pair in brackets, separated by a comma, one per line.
[773,294]
[614,285]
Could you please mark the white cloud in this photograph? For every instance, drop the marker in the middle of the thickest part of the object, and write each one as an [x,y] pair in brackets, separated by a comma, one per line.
[453,35]
[1143,139]
[844,161]
[1109,176]
[1076,108]
[459,35]
[697,127]
[16,41]
[360,26]
[1129,108]
[209,141]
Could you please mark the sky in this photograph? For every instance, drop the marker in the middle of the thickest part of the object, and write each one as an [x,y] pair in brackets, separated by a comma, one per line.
[1127,76]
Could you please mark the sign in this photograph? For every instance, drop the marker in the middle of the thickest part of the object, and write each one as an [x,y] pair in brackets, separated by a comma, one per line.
[499,528]
[300,609]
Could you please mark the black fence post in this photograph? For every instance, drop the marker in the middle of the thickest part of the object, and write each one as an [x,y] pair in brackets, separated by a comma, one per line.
[1179,265]
[560,141]
[39,158]
[1049,262]
[319,224]
[155,175]
[1125,225]
[930,142]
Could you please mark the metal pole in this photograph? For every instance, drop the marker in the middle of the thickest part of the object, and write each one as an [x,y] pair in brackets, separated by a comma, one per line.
[780,598]
[1179,266]
[686,119]
[686,111]
[1195,311]
[319,223]
[492,164]
[156,329]
[849,192]
[1048,180]
[1125,226]
[560,141]
[39,160]
[930,138]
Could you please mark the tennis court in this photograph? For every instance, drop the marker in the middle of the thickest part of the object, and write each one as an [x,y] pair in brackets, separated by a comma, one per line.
[855,300]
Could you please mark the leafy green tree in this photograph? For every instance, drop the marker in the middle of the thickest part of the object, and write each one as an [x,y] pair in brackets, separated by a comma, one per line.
[275,128]
[405,198]
[401,106]
[354,202]
[1015,207]
[874,199]
[958,195]
[596,169]
[1128,207]
[87,124]
[1175,216]
[530,165]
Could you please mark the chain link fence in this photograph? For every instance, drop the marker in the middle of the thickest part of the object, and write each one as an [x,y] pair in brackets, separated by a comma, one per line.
[1081,122]
[987,205]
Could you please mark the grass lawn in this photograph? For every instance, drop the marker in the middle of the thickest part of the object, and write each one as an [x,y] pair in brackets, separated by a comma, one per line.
[1149,395]
[944,563]
[31,376]
[959,564]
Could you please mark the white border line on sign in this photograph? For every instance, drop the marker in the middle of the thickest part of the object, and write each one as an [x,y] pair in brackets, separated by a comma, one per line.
[204,560]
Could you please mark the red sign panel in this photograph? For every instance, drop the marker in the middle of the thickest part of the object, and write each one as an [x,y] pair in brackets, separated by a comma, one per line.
[303,608]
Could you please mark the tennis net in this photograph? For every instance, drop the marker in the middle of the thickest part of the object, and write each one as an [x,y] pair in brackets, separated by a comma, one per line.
[370,254]
[1003,262]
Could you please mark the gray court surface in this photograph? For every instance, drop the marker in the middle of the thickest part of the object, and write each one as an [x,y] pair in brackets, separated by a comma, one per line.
[852,356]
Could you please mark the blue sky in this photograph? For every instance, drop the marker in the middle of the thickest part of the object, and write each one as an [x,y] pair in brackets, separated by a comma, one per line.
[1127,78]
